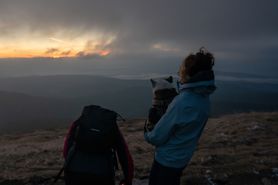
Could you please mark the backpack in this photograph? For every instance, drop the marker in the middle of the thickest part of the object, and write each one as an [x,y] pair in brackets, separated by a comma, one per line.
[96,129]
[93,133]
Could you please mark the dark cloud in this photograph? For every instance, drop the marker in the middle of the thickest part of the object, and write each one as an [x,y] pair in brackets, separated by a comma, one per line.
[58,52]
[232,29]
[66,53]
[88,56]
[52,51]
[157,19]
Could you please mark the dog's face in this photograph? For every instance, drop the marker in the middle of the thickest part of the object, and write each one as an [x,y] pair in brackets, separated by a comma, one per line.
[163,88]
[163,91]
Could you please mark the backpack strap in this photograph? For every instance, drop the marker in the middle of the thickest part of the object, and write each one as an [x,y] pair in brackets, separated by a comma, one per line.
[115,159]
[57,177]
[120,118]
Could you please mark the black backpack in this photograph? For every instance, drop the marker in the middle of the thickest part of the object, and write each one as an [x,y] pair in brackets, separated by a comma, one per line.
[96,129]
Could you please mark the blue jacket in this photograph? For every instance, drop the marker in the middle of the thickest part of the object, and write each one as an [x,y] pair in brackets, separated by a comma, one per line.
[176,134]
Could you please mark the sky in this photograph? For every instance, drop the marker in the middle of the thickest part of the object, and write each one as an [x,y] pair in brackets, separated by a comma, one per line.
[144,36]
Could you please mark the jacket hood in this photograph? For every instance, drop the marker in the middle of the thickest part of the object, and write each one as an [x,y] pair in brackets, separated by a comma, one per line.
[202,83]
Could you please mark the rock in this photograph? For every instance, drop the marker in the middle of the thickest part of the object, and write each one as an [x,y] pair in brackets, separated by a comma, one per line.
[275,172]
[140,182]
[266,181]
[256,172]
[208,171]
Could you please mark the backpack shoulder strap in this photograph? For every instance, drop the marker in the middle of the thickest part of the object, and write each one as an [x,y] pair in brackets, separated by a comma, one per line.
[120,118]
[57,177]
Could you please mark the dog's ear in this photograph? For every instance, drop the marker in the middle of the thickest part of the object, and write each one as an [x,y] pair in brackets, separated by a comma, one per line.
[169,79]
[153,82]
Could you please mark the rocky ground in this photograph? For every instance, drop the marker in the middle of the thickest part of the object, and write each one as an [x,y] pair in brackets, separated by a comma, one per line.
[238,149]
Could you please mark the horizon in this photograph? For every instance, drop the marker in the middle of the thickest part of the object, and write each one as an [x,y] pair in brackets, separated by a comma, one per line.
[220,76]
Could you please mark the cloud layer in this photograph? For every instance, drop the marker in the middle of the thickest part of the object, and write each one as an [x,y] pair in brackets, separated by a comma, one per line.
[233,30]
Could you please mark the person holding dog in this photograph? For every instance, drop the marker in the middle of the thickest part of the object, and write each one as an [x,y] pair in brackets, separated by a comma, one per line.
[176,134]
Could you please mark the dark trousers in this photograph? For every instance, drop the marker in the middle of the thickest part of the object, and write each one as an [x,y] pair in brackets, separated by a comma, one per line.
[162,175]
[72,178]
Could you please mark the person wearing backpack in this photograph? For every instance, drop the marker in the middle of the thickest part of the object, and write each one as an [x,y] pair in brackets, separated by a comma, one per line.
[91,148]
[176,134]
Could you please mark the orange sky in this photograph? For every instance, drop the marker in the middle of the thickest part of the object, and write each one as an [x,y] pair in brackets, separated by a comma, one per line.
[29,45]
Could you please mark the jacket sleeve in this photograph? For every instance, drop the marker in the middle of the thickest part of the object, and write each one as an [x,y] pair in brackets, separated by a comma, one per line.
[69,139]
[174,116]
[125,159]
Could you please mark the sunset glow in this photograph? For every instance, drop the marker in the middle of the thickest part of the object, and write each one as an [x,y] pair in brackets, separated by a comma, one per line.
[165,48]
[55,46]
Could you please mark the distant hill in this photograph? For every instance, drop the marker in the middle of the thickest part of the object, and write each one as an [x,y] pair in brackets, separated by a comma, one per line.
[235,97]
[21,112]
[38,100]
[129,97]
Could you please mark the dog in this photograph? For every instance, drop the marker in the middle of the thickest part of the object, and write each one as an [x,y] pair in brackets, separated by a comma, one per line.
[164,92]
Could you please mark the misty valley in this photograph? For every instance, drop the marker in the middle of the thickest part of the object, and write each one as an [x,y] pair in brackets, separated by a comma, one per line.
[39,102]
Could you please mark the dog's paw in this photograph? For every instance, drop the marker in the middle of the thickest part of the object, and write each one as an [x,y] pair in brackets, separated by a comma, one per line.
[148,126]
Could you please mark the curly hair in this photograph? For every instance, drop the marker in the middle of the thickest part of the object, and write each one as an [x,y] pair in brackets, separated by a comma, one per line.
[194,63]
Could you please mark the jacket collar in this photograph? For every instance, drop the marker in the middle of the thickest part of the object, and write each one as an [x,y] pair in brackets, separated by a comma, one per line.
[201,79]
[196,84]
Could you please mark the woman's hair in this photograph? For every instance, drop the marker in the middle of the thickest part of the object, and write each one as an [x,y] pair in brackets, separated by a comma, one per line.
[194,63]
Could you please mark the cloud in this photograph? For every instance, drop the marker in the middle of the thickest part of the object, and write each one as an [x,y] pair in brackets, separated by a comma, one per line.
[55,52]
[52,51]
[158,19]
[58,40]
[152,28]
[88,56]
[66,53]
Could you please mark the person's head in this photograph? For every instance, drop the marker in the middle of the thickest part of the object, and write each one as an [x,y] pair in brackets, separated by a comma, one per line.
[195,63]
